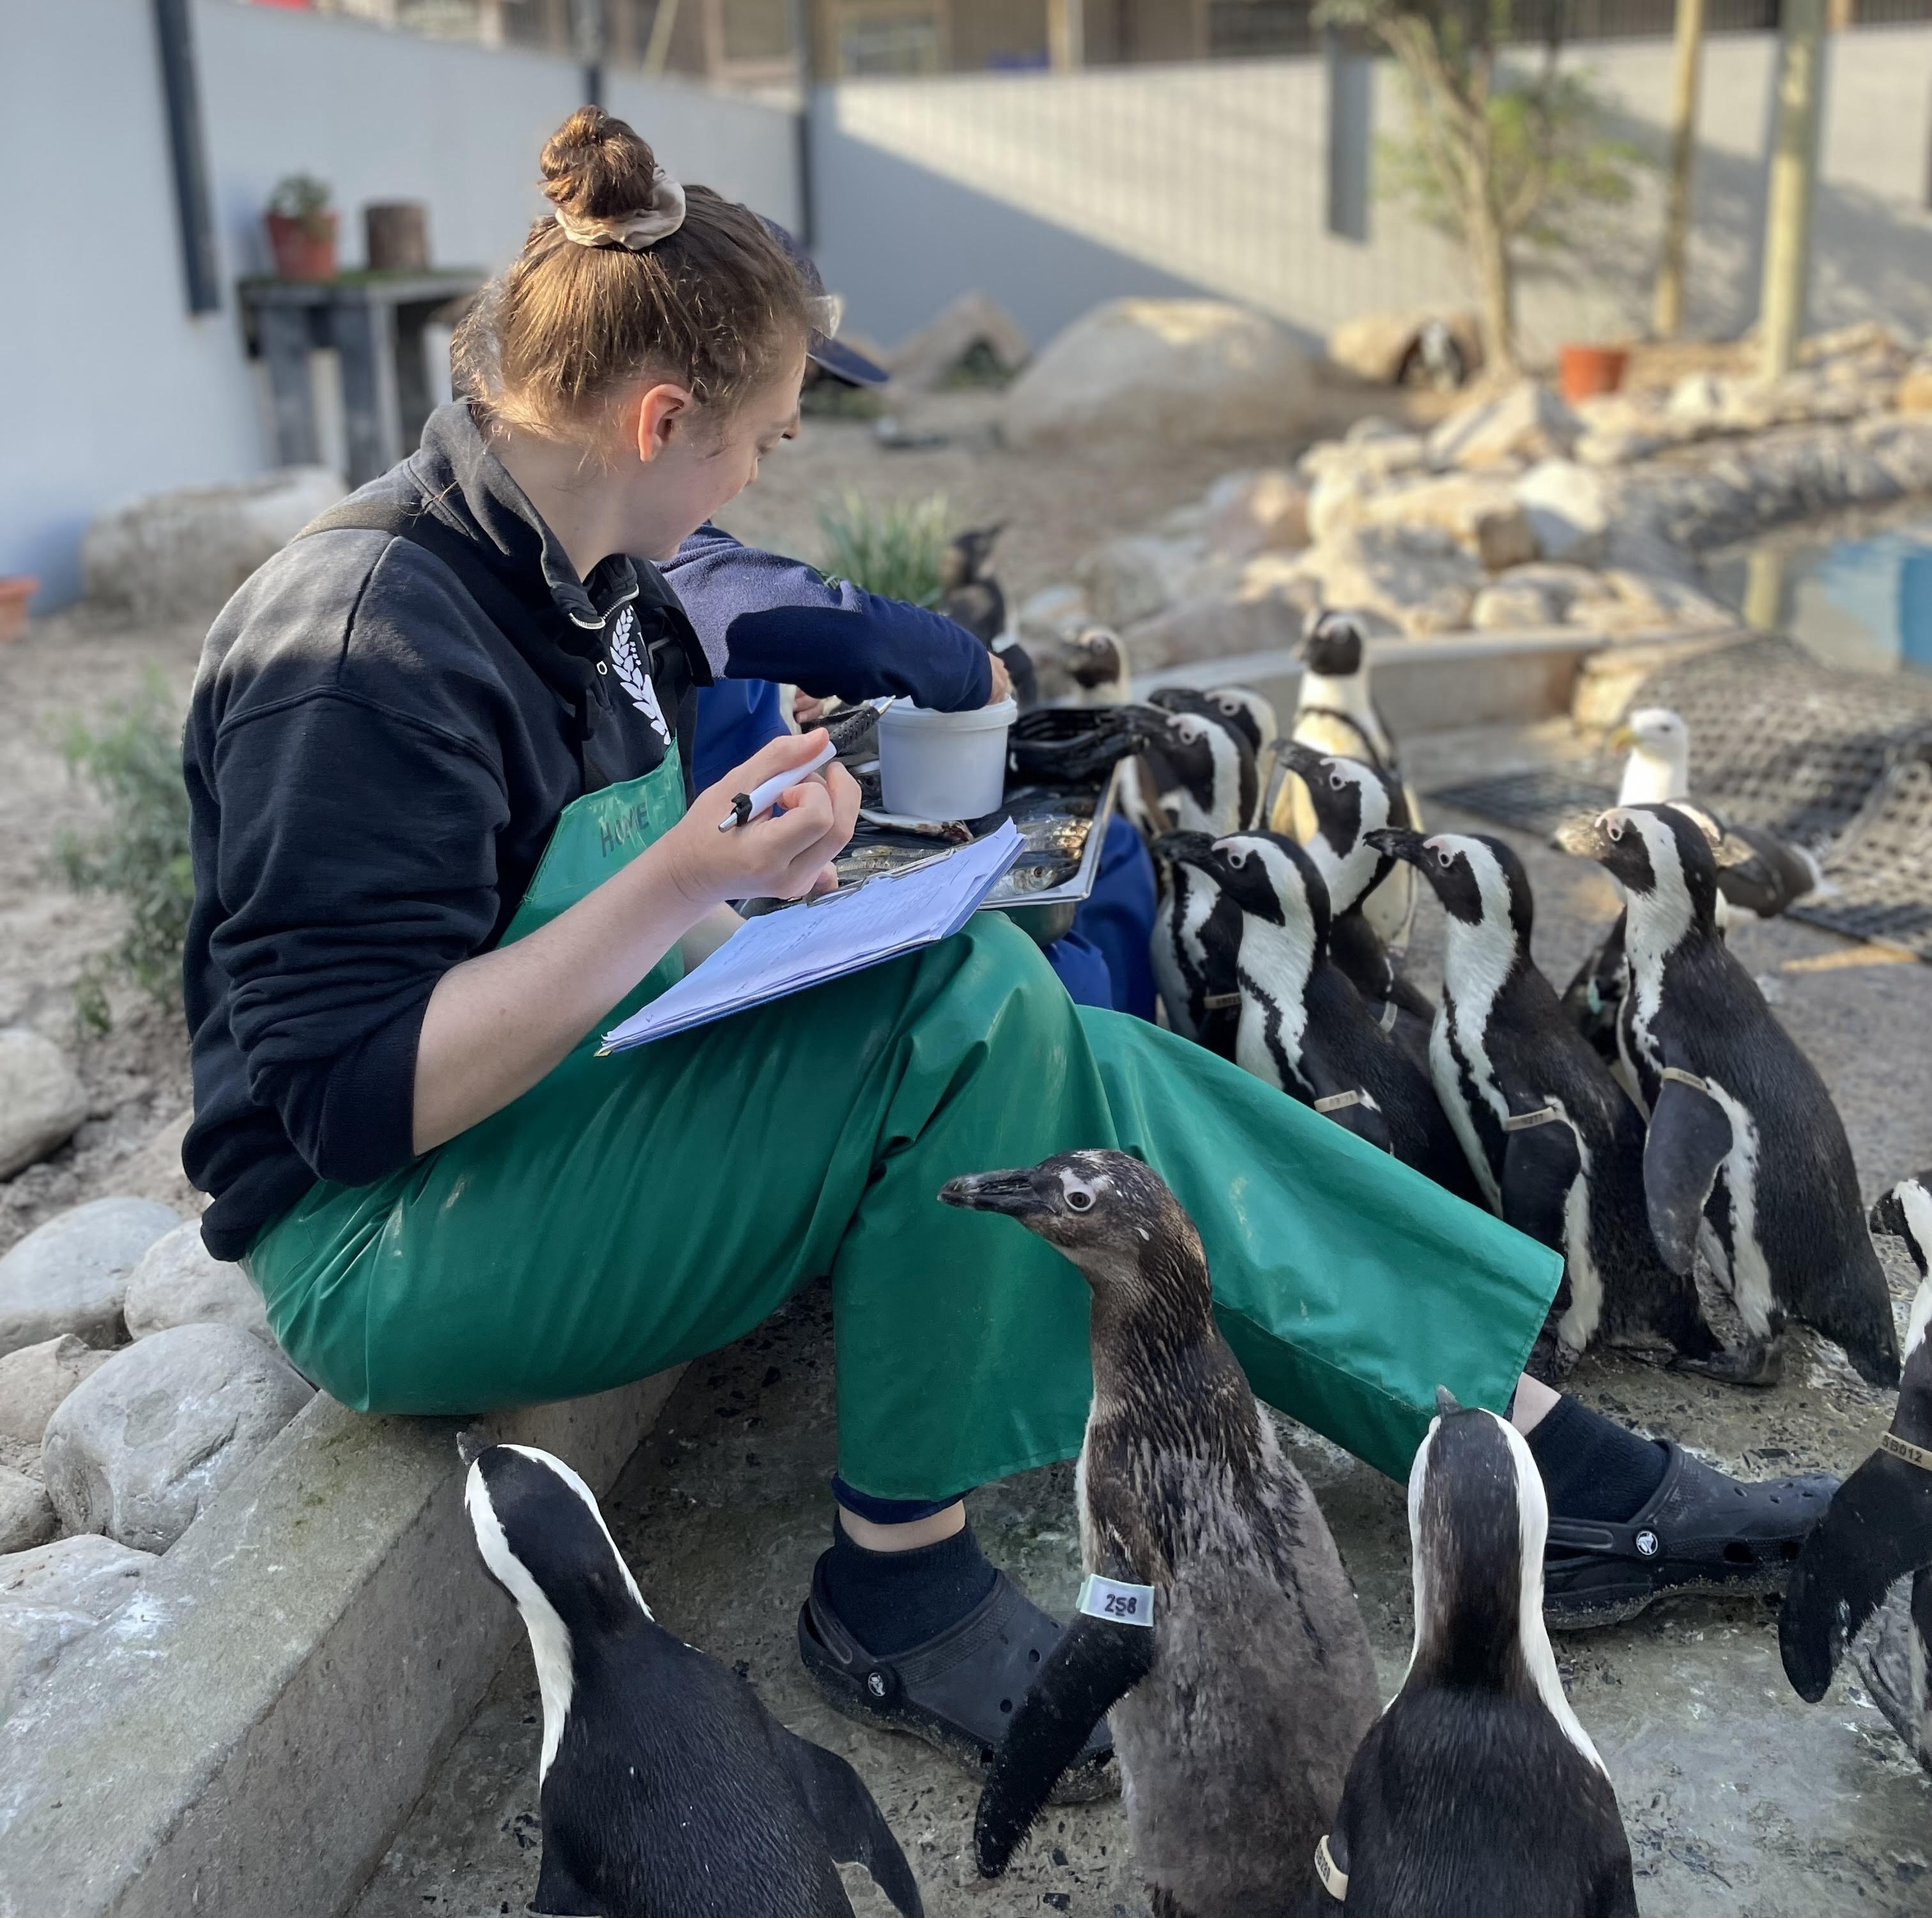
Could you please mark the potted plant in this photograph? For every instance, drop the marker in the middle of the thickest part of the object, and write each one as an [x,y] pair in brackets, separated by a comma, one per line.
[1584,370]
[16,590]
[301,229]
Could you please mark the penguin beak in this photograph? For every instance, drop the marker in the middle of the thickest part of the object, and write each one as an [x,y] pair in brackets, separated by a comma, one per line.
[1399,842]
[1016,1193]
[1586,837]
[1303,760]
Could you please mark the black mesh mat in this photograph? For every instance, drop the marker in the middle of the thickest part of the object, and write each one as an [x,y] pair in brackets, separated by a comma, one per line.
[1840,763]
[1538,801]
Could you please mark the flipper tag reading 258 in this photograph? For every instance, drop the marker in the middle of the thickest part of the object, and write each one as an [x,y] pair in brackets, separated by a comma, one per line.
[1109,1599]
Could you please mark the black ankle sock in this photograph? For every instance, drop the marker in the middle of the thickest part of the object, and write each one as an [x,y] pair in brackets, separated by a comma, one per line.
[891,1601]
[1593,1468]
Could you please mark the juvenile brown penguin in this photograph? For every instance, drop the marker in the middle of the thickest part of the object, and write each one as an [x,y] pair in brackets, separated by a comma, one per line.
[1215,1620]
[1477,1792]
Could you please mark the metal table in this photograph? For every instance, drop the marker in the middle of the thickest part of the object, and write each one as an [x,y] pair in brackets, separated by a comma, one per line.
[377,322]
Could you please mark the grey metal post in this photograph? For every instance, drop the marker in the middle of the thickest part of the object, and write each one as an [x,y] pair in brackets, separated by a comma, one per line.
[365,337]
[284,331]
[175,39]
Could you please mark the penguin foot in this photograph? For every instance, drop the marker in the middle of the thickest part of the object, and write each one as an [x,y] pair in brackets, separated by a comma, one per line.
[957,1691]
[1752,1361]
[1700,1531]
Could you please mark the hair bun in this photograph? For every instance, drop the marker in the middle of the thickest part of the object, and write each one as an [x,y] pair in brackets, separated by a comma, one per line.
[596,167]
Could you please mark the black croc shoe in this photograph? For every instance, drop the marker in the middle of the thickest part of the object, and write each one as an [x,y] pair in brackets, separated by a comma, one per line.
[959,1690]
[1699,1531]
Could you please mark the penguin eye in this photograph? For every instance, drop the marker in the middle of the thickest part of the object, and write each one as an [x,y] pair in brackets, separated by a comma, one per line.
[1335,780]
[1616,831]
[1078,1195]
[1444,858]
[1238,861]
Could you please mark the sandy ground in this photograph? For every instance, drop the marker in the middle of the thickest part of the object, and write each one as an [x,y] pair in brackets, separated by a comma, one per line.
[1740,1801]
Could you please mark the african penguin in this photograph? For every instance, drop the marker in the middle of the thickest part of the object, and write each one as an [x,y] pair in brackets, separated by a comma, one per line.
[1250,712]
[1217,1621]
[1876,1538]
[1556,1146]
[1477,1792]
[970,596]
[1335,716]
[1746,1158]
[1305,1029]
[666,1786]
[1088,668]
[1195,935]
[1346,799]
[1202,774]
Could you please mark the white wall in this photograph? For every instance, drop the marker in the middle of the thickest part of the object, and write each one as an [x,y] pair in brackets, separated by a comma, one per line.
[1052,192]
[114,391]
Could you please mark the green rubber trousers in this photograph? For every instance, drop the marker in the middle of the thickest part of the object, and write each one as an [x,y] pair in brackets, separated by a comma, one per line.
[632,1211]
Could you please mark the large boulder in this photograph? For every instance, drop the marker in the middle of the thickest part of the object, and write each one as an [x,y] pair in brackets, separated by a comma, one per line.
[1568,509]
[41,1100]
[1378,347]
[179,1281]
[186,552]
[71,1274]
[26,1512]
[1257,512]
[948,341]
[137,1451]
[1135,576]
[1177,372]
[33,1381]
[52,1595]
[1417,578]
[1525,422]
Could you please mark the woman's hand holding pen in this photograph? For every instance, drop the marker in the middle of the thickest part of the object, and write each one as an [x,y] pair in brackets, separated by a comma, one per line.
[783,853]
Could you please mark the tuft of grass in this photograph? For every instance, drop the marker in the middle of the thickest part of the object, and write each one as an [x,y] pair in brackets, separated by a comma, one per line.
[894,549]
[140,855]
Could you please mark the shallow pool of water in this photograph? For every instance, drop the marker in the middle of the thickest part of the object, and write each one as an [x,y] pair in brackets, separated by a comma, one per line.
[1861,600]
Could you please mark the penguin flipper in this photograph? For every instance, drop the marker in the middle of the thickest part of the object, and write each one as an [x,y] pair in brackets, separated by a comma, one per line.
[848,1818]
[1093,1665]
[1878,1529]
[558,1890]
[1689,1137]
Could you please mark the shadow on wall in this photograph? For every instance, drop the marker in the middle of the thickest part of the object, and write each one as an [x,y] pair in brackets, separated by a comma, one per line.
[923,239]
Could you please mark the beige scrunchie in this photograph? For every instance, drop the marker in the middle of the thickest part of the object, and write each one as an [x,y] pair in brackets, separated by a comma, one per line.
[635,232]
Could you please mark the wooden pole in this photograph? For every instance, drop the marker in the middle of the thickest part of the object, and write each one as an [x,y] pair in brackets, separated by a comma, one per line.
[1667,317]
[1794,166]
[664,23]
[1066,35]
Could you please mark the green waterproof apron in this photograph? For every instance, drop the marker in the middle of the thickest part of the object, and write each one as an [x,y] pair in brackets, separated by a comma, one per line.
[631,1212]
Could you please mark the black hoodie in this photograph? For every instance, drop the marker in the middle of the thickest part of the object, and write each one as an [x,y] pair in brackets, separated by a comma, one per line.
[373,770]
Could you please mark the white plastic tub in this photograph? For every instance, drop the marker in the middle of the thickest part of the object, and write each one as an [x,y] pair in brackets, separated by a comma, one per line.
[943,765]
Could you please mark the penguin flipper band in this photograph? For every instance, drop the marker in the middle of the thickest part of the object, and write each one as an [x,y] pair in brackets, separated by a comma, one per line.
[1334,1880]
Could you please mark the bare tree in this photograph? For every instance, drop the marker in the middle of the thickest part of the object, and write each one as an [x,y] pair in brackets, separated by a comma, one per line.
[1503,154]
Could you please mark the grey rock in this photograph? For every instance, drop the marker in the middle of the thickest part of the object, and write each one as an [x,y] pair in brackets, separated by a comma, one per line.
[1178,372]
[53,1595]
[1568,509]
[1529,422]
[41,1100]
[69,1274]
[33,1381]
[186,551]
[26,1512]
[137,1451]
[1513,609]
[179,1281]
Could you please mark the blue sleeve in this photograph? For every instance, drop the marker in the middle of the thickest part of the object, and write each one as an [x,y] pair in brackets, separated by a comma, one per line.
[761,617]
[735,717]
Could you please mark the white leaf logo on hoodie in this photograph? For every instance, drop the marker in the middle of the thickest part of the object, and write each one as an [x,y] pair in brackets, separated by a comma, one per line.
[630,673]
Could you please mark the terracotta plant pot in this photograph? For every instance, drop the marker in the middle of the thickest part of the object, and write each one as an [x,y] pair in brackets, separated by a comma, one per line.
[1588,369]
[304,249]
[16,590]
